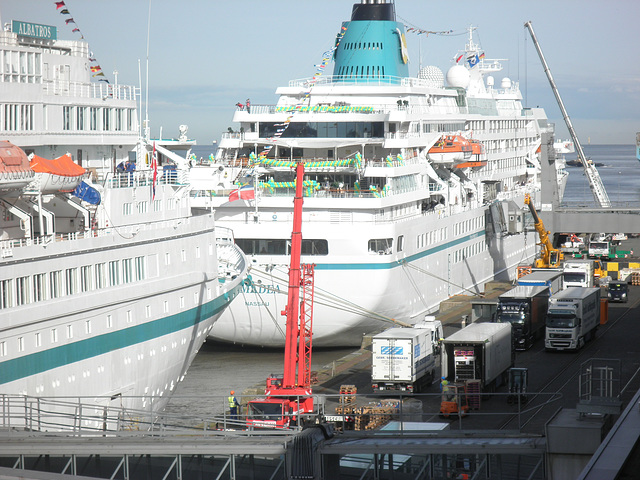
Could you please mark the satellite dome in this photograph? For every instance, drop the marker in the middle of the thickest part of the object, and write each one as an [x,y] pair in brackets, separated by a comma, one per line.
[432,74]
[490,81]
[458,76]
[506,83]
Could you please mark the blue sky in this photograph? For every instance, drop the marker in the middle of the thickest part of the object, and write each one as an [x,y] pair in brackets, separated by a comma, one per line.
[206,55]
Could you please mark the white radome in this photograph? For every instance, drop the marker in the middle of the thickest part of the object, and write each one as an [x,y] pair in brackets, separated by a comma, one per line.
[433,75]
[458,76]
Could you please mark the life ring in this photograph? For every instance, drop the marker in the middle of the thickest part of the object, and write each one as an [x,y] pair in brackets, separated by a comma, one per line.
[274,217]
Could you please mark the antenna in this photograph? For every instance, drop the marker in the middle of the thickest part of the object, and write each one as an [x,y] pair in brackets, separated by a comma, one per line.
[146,107]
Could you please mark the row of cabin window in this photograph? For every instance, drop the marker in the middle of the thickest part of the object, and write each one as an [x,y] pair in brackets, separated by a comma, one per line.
[469,251]
[45,286]
[54,335]
[79,118]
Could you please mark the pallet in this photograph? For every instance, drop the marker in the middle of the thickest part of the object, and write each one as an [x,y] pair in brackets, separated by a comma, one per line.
[348,393]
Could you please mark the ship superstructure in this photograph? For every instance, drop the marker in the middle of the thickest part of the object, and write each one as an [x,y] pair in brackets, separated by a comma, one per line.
[414,185]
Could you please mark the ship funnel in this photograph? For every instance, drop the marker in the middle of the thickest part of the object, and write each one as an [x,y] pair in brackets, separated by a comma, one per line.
[374,47]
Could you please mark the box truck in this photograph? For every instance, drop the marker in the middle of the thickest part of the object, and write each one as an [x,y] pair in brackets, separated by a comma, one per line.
[578,273]
[403,359]
[572,318]
[480,351]
[543,278]
[525,308]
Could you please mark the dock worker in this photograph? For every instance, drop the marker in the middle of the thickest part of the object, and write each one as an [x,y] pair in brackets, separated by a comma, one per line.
[233,405]
[443,383]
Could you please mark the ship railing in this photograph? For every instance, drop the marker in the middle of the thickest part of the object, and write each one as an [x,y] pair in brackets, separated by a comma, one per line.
[144,178]
[341,108]
[362,81]
[371,413]
[90,90]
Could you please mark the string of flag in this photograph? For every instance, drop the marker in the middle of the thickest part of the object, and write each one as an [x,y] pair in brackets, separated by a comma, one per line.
[326,57]
[96,70]
[419,31]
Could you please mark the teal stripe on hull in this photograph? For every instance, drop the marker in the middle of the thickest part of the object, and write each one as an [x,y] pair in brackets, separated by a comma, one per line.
[394,264]
[49,359]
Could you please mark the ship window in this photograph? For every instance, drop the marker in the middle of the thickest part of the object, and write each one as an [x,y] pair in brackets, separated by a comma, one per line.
[39,287]
[66,118]
[127,270]
[400,243]
[381,246]
[71,281]
[55,283]
[101,275]
[114,273]
[22,290]
[86,284]
[141,268]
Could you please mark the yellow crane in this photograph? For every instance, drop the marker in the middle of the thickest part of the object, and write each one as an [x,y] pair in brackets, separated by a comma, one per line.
[550,257]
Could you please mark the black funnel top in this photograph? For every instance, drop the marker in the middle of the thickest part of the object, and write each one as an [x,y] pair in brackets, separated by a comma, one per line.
[373,11]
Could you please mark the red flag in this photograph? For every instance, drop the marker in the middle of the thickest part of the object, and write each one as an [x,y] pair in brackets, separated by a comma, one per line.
[69,20]
[154,167]
[59,5]
[242,193]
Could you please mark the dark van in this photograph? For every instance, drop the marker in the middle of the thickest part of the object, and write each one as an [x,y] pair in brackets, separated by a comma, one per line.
[618,291]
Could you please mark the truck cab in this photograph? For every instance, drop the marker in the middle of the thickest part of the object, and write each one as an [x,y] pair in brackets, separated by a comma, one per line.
[618,291]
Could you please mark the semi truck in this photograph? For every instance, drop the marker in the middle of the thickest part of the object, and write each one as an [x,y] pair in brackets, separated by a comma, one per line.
[525,308]
[543,278]
[479,351]
[572,318]
[578,273]
[403,359]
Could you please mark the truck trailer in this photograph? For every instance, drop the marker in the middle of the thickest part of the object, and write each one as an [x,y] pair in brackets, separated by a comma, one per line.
[525,308]
[480,351]
[551,278]
[578,273]
[403,359]
[572,318]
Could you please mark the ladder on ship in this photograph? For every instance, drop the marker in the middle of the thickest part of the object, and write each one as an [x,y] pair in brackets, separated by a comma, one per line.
[595,182]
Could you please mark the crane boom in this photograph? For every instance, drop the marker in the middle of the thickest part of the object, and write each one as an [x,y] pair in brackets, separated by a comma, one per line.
[550,257]
[595,182]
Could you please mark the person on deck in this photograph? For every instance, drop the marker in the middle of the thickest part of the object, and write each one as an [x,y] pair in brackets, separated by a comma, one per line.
[233,405]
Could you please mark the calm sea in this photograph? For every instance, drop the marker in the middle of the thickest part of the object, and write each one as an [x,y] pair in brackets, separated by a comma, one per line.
[619,174]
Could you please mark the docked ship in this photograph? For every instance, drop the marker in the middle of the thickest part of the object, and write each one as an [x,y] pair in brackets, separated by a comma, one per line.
[108,284]
[414,186]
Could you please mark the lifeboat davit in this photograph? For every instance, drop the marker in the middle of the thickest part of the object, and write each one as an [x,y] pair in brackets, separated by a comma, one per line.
[15,172]
[450,149]
[58,175]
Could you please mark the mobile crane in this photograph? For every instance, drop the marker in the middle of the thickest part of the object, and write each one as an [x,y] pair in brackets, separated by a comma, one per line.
[288,397]
[550,257]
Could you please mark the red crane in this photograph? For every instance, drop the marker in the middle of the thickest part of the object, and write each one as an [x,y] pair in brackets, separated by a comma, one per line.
[288,397]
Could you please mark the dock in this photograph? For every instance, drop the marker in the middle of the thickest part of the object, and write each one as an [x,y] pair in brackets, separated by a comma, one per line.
[549,436]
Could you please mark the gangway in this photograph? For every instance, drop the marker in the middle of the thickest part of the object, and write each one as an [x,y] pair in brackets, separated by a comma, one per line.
[595,182]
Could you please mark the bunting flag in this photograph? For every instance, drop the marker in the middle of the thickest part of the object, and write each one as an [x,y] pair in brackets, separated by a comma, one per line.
[154,167]
[95,69]
[420,31]
[326,57]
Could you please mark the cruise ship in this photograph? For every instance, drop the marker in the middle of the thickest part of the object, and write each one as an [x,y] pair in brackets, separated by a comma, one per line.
[414,186]
[108,284]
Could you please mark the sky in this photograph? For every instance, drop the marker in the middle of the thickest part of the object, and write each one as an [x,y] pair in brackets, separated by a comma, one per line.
[207,55]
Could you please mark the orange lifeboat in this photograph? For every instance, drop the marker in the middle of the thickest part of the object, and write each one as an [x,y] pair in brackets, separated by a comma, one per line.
[15,172]
[58,175]
[476,147]
[449,149]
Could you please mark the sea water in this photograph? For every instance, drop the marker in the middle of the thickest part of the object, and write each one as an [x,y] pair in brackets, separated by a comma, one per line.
[620,174]
[219,368]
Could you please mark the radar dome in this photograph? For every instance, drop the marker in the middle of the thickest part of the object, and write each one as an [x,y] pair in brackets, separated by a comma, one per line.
[458,76]
[490,81]
[433,75]
[506,83]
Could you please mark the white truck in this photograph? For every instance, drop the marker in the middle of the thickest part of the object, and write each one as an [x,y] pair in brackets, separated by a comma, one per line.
[480,351]
[578,273]
[572,318]
[546,277]
[403,358]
